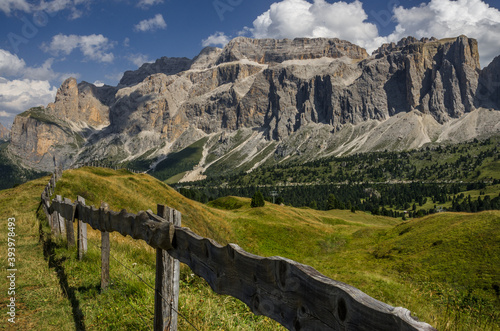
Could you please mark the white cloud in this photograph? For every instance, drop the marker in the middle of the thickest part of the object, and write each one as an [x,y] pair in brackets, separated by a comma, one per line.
[145,4]
[446,18]
[152,24]
[12,66]
[139,59]
[218,38]
[3,113]
[438,18]
[7,6]
[55,6]
[44,72]
[300,18]
[98,83]
[94,47]
[17,96]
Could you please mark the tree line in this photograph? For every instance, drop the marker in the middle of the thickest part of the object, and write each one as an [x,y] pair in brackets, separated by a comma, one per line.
[394,200]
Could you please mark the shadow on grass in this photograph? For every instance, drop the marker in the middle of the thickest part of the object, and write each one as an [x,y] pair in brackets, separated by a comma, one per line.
[49,247]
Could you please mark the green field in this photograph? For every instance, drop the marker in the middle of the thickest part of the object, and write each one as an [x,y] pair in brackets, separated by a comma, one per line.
[445,267]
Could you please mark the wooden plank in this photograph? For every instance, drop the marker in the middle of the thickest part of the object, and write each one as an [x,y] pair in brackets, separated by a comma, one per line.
[54,224]
[174,264]
[82,230]
[69,213]
[295,295]
[61,219]
[167,281]
[105,249]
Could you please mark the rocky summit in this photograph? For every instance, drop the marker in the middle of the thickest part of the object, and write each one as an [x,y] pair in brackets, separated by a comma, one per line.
[266,101]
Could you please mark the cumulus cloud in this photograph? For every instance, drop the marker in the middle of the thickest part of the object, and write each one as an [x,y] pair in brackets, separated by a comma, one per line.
[447,18]
[218,38]
[152,24]
[300,18]
[12,66]
[94,47]
[7,6]
[3,113]
[17,96]
[438,18]
[145,4]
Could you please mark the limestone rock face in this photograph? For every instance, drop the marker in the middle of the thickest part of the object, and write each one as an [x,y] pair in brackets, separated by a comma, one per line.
[442,76]
[4,133]
[275,92]
[488,92]
[276,51]
[39,143]
[164,65]
[81,103]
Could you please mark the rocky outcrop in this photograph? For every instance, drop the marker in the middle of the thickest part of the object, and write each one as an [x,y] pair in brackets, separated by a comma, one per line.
[442,76]
[81,103]
[39,142]
[277,89]
[488,91]
[4,133]
[266,51]
[164,65]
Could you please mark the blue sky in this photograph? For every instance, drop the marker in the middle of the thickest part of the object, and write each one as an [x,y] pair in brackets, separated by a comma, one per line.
[43,42]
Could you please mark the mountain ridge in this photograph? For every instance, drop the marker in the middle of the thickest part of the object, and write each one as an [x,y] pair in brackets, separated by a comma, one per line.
[326,95]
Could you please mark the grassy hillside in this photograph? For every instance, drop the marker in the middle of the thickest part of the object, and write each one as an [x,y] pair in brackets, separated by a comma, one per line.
[445,268]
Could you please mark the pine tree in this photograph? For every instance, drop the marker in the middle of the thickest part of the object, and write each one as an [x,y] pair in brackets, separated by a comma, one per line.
[257,200]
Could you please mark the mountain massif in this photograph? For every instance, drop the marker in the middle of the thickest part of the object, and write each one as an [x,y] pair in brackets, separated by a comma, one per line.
[267,101]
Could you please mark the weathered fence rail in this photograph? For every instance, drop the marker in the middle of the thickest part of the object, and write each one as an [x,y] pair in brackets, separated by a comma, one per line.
[294,294]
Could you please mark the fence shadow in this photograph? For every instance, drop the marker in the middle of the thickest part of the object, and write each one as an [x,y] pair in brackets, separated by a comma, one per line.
[49,247]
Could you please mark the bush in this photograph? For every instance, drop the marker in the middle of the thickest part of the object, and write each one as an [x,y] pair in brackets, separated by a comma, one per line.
[257,200]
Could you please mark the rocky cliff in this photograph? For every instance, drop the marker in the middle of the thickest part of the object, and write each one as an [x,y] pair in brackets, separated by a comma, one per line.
[270,100]
[488,92]
[4,133]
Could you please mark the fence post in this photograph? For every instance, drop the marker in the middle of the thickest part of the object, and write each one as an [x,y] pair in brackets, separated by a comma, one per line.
[60,220]
[167,280]
[70,230]
[105,248]
[54,224]
[82,233]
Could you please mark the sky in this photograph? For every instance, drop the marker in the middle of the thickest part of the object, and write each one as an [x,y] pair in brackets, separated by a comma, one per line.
[43,42]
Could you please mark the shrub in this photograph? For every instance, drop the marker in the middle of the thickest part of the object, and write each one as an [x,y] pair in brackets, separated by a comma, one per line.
[257,200]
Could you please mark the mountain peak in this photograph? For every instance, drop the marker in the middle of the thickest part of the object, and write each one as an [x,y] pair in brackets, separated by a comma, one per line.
[165,65]
[266,51]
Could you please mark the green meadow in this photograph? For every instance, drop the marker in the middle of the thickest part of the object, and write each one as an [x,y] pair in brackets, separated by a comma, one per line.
[444,268]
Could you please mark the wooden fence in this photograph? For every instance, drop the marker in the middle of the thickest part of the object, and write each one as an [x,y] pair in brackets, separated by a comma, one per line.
[295,295]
